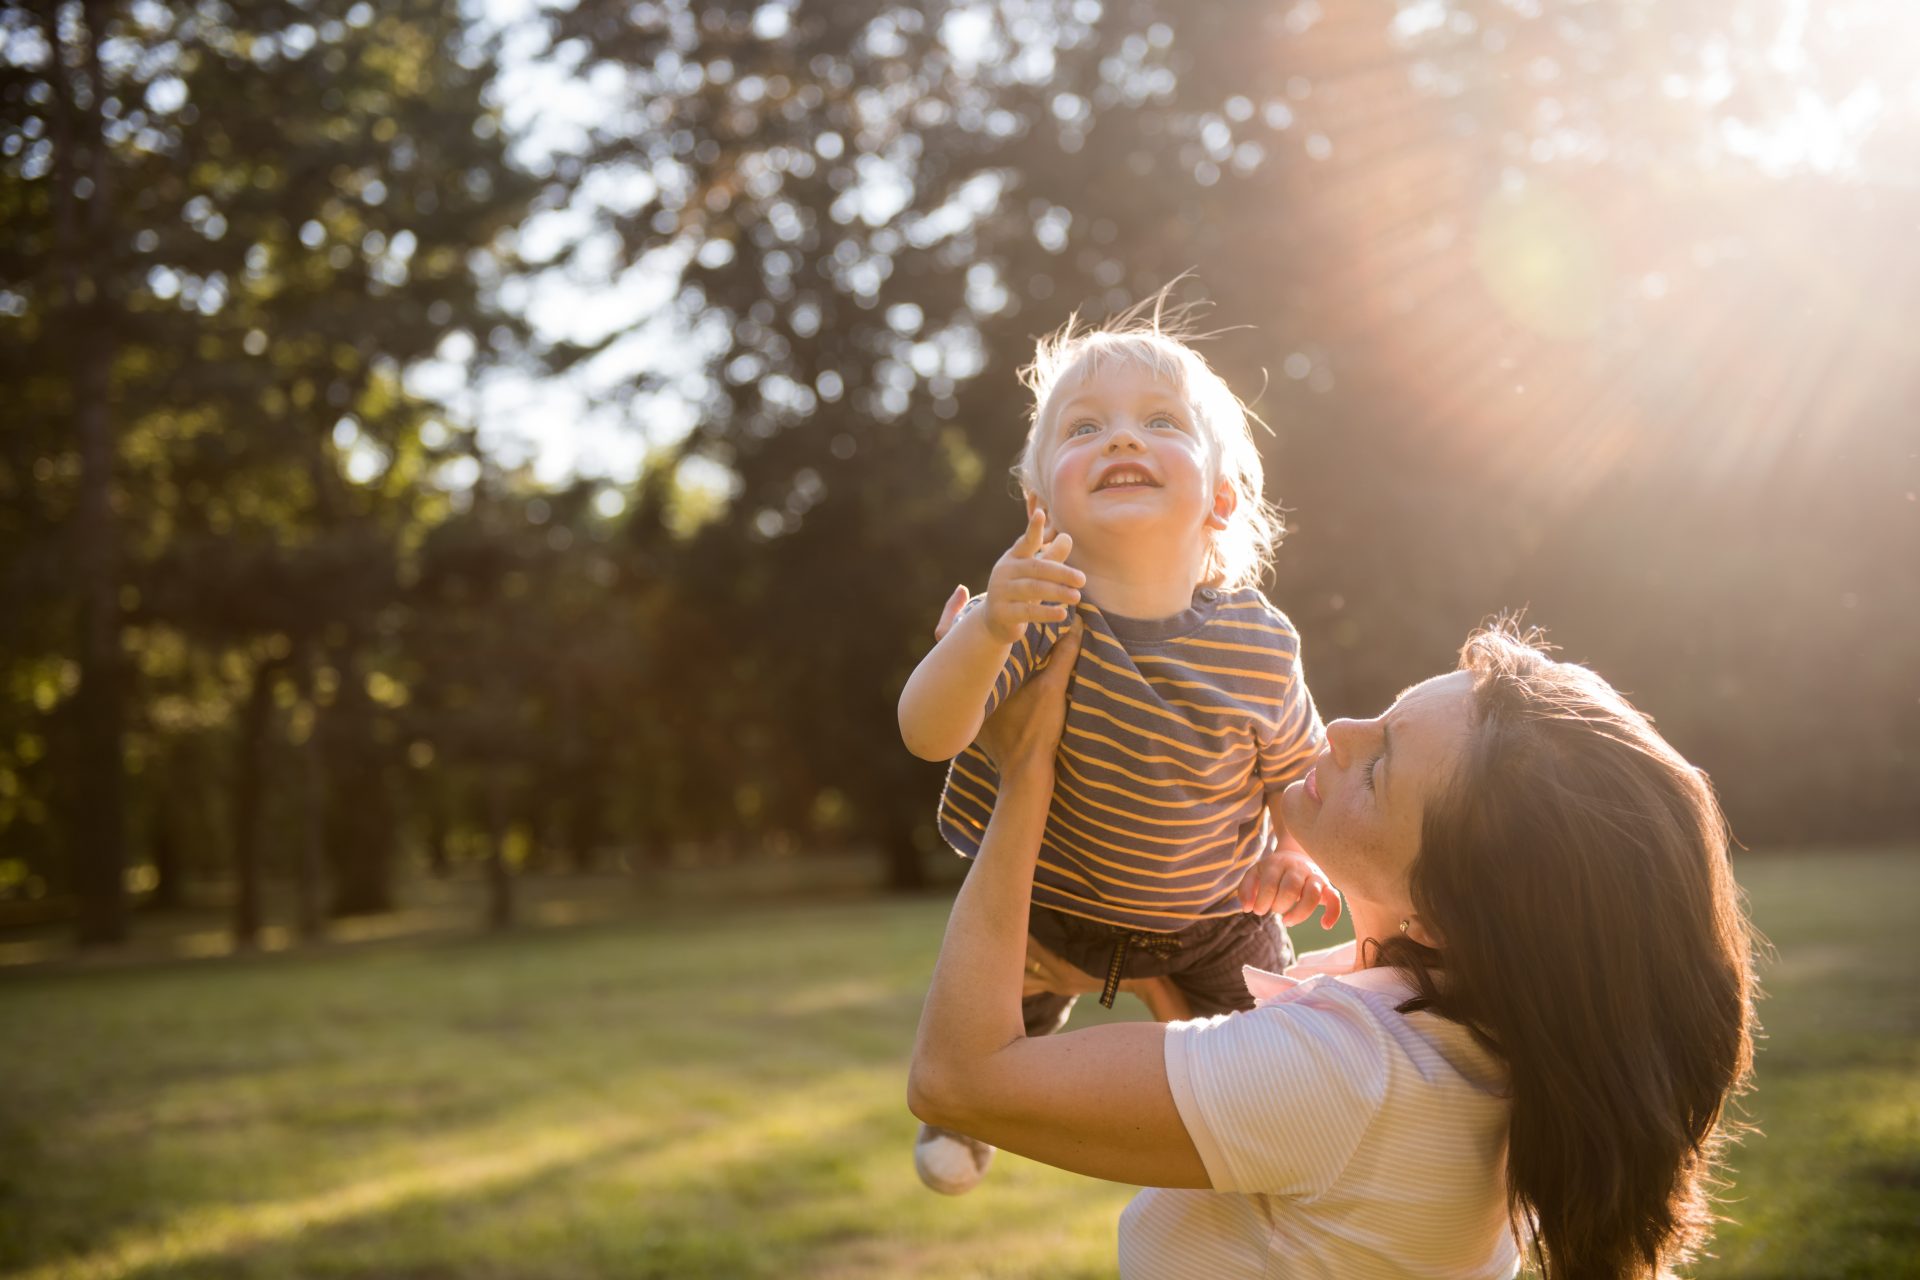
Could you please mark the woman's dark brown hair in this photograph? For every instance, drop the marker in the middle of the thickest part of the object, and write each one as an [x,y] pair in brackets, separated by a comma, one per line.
[1576,872]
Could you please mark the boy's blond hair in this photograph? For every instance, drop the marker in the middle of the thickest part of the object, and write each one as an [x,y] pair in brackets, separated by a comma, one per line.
[1156,337]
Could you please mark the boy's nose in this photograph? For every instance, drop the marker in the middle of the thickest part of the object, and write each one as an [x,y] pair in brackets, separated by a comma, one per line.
[1125,439]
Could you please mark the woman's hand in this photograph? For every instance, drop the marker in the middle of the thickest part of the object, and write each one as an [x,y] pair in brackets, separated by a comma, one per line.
[1095,1101]
[1022,736]
[1027,726]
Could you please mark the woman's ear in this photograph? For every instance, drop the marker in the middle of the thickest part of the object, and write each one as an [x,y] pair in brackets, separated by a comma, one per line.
[1225,502]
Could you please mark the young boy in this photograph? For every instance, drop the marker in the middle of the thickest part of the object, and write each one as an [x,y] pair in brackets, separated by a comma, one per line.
[1165,850]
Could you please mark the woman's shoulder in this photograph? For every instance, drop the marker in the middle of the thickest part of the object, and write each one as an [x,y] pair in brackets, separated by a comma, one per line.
[1324,989]
[1316,1026]
[1428,1052]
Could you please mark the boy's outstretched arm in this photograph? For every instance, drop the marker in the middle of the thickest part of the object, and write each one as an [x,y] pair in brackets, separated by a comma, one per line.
[1286,881]
[945,700]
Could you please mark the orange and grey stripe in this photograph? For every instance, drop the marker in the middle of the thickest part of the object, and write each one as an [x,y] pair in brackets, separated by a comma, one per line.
[1173,742]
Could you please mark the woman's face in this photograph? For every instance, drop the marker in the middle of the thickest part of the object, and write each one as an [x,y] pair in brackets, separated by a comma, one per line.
[1358,809]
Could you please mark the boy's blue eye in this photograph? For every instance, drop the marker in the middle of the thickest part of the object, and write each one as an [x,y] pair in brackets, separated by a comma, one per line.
[1169,423]
[1078,427]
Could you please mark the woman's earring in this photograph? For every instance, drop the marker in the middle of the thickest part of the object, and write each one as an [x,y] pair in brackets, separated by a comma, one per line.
[1404,924]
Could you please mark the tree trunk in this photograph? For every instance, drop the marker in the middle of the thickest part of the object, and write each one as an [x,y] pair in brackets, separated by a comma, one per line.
[359,826]
[98,819]
[163,838]
[439,829]
[536,815]
[499,874]
[311,854]
[311,858]
[586,822]
[906,868]
[248,785]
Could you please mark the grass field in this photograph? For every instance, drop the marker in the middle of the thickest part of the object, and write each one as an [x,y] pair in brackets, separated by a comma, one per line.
[716,1093]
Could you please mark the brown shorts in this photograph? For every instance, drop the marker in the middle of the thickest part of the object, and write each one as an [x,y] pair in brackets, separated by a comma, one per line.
[1203,960]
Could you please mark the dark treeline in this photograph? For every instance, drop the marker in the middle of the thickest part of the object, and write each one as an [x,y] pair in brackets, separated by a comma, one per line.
[1540,302]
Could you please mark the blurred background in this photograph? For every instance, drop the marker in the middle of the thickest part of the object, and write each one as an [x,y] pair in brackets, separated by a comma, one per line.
[487,465]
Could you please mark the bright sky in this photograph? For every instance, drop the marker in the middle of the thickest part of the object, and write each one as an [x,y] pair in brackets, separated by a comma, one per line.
[588,422]
[591,423]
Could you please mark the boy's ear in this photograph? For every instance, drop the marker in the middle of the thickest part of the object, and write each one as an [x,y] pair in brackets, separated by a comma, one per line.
[1225,502]
[1034,503]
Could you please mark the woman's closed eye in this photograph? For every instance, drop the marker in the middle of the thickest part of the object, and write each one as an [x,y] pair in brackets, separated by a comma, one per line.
[1367,778]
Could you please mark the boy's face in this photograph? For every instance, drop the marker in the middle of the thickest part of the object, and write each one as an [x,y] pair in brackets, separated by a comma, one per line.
[1123,454]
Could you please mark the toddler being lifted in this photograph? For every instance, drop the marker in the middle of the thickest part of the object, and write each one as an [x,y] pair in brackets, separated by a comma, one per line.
[1164,852]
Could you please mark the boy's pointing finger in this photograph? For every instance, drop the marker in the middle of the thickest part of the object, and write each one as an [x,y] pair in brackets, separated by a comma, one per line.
[1033,535]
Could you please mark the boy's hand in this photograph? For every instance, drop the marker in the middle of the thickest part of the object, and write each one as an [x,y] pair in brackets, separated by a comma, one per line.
[1031,583]
[1291,883]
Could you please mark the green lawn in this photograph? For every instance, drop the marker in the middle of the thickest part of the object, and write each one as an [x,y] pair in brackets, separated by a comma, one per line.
[723,1097]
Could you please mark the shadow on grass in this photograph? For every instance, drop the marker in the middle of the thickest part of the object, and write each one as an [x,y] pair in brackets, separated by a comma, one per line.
[815,1183]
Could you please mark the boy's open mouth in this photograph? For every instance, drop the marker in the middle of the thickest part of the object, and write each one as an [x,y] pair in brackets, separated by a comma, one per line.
[1126,476]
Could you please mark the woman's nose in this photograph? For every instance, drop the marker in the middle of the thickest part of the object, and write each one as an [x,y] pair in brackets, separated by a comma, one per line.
[1340,740]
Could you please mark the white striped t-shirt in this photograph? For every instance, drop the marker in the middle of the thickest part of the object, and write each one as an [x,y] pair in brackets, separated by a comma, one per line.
[1342,1137]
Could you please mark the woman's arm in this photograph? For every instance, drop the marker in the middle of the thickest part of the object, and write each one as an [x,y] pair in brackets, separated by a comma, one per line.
[1095,1101]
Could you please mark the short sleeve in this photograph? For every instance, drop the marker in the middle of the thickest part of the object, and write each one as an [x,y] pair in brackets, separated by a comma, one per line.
[1297,736]
[1277,1099]
[1029,654]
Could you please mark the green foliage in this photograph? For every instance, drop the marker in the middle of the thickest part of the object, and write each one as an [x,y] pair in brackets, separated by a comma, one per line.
[1495,274]
[1519,342]
[298,196]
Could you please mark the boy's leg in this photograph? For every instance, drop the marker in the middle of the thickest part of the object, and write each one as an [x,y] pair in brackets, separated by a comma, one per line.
[953,1163]
[1213,952]
[1082,943]
[1046,1012]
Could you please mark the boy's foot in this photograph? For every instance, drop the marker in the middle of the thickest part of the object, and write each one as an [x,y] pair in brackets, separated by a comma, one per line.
[950,1163]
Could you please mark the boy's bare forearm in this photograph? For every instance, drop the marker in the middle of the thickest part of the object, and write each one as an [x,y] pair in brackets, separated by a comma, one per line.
[945,700]
[1277,824]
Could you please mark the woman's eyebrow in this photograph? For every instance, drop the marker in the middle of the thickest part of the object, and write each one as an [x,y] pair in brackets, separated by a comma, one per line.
[1386,748]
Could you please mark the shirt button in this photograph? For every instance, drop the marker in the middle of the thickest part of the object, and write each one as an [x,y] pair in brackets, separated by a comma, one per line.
[1208,593]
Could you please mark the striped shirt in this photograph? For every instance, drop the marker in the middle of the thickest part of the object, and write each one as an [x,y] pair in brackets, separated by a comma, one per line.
[1178,731]
[1342,1138]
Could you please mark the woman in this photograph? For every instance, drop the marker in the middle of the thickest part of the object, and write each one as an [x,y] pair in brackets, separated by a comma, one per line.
[1549,1004]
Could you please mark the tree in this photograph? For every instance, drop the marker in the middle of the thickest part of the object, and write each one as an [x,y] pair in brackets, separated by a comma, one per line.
[1447,229]
[83,298]
[285,206]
